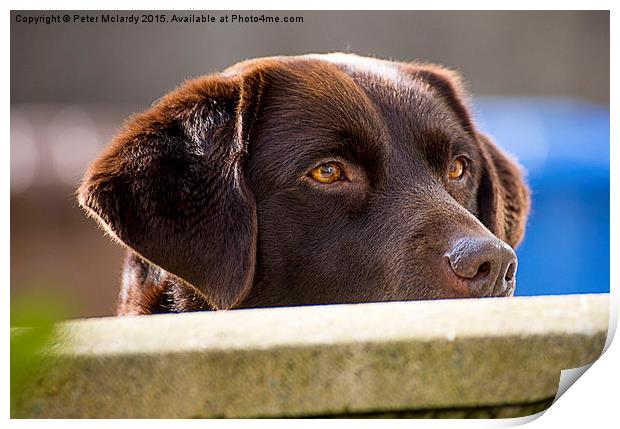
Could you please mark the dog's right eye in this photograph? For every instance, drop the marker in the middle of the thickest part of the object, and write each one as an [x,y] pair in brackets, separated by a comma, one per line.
[329,172]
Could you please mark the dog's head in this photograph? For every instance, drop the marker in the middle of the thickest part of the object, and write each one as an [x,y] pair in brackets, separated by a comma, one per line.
[314,179]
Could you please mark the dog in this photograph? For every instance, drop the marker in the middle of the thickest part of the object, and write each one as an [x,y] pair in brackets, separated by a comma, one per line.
[314,179]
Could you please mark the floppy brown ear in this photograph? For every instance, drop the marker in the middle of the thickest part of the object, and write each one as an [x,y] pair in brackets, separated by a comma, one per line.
[171,186]
[503,196]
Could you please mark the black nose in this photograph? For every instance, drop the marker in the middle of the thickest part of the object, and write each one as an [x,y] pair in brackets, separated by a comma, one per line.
[486,265]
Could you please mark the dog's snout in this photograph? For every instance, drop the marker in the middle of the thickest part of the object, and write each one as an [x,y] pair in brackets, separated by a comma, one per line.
[486,265]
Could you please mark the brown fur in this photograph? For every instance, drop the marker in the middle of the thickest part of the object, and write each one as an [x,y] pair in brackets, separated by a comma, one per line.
[209,191]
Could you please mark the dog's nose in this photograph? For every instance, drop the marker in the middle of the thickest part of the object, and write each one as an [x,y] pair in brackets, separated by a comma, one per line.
[486,265]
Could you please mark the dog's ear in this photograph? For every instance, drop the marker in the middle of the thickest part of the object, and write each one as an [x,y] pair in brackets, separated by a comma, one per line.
[503,196]
[171,186]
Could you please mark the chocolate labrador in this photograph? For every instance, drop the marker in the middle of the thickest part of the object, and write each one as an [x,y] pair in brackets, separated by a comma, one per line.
[311,179]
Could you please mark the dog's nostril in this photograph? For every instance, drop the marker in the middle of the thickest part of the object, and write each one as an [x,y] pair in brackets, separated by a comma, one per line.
[483,270]
[510,272]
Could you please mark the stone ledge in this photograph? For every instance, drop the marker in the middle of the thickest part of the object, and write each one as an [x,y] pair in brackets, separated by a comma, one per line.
[321,360]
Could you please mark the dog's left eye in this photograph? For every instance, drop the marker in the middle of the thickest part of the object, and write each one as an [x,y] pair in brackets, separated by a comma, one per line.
[329,172]
[457,168]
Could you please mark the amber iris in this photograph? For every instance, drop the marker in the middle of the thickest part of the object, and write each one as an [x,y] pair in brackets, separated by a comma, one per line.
[457,169]
[329,172]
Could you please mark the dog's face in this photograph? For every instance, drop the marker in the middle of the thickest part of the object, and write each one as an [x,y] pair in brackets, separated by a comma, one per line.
[314,179]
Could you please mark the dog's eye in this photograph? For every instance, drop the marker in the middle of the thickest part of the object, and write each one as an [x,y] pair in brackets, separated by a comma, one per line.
[457,168]
[329,172]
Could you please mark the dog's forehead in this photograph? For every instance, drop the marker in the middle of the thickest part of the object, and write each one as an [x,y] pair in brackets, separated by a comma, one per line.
[395,89]
[385,101]
[393,86]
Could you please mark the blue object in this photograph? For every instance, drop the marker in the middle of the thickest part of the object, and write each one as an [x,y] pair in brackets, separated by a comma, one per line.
[563,145]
